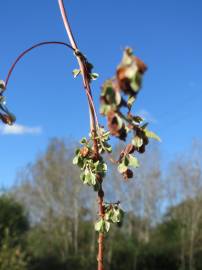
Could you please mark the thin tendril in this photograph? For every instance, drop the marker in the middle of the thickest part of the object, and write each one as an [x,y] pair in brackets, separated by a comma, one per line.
[28,50]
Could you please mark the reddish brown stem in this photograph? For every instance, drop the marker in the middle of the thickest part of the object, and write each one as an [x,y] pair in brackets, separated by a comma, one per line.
[93,121]
[100,254]
[30,49]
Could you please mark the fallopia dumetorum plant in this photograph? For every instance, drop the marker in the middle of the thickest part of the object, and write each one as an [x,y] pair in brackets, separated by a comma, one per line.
[118,95]
[5,115]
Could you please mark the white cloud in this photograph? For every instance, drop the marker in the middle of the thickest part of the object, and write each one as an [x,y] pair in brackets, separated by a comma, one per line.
[18,129]
[147,116]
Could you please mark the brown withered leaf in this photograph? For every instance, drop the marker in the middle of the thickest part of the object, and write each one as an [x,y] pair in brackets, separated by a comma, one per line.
[129,73]
[116,125]
[127,174]
[141,133]
[123,80]
[6,119]
[140,65]
[122,133]
[141,149]
[84,151]
[145,140]
[113,123]
[129,59]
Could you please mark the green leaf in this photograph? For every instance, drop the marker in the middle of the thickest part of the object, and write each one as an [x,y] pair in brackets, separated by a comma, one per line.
[126,161]
[119,121]
[105,136]
[83,140]
[80,162]
[130,101]
[82,176]
[134,84]
[144,126]
[133,161]
[89,65]
[76,72]
[113,214]
[121,216]
[100,167]
[137,119]
[104,109]
[75,160]
[116,216]
[104,167]
[90,177]
[99,225]
[108,214]
[108,148]
[107,226]
[137,141]
[102,226]
[152,135]
[94,76]
[122,168]
[113,97]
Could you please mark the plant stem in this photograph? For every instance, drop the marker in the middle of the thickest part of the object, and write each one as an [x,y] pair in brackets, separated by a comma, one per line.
[28,50]
[93,122]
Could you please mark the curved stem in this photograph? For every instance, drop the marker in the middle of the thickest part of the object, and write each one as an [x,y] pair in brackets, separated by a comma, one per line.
[93,107]
[30,49]
[93,121]
[80,61]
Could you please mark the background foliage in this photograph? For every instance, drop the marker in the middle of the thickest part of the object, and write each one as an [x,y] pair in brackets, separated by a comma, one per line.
[46,220]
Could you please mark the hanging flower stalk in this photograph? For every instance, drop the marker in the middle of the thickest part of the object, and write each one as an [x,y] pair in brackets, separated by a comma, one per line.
[117,98]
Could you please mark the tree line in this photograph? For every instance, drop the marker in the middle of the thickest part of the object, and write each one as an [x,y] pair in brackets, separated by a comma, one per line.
[46,219]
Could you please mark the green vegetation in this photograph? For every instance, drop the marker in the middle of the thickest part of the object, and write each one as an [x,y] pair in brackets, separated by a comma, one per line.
[13,227]
[59,234]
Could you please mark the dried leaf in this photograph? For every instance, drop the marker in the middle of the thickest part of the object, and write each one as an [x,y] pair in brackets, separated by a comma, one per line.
[84,151]
[2,85]
[128,174]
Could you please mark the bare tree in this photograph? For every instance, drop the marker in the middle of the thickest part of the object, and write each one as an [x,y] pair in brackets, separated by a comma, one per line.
[184,186]
[51,191]
[142,197]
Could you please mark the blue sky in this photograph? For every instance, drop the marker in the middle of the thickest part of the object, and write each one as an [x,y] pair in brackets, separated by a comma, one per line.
[48,102]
